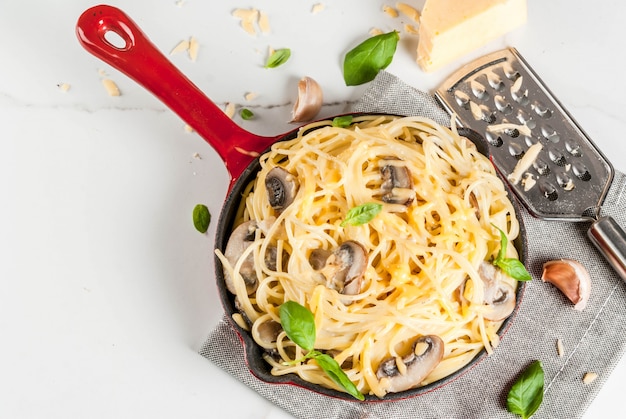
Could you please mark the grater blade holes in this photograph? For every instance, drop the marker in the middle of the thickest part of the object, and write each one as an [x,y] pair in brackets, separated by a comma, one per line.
[550,134]
[510,72]
[541,167]
[495,81]
[503,105]
[516,150]
[494,139]
[573,148]
[581,171]
[462,99]
[565,181]
[542,109]
[548,190]
[479,90]
[557,157]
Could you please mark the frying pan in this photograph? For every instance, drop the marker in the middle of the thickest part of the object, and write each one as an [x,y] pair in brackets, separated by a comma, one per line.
[140,60]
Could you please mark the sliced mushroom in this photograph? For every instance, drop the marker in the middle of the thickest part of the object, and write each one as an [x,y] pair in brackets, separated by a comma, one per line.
[318,258]
[240,239]
[397,186]
[281,188]
[345,267]
[410,371]
[499,295]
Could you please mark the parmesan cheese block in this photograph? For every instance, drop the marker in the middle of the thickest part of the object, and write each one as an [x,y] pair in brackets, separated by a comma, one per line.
[452,28]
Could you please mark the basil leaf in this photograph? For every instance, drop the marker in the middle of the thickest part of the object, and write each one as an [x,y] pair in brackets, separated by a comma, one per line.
[278,57]
[201,218]
[342,121]
[362,214]
[246,114]
[526,394]
[334,371]
[513,268]
[364,61]
[298,323]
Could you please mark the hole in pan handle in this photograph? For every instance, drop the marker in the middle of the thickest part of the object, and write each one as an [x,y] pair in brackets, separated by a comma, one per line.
[110,35]
[610,239]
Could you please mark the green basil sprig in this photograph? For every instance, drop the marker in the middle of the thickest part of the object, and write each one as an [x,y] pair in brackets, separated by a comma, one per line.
[362,214]
[278,57]
[201,218]
[363,62]
[299,324]
[342,121]
[246,114]
[526,394]
[511,266]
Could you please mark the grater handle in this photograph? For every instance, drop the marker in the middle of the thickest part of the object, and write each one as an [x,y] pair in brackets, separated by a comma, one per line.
[610,239]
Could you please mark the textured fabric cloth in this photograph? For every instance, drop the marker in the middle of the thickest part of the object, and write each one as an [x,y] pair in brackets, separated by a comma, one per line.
[593,339]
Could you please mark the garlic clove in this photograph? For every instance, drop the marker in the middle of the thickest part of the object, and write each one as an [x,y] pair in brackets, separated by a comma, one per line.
[309,101]
[571,278]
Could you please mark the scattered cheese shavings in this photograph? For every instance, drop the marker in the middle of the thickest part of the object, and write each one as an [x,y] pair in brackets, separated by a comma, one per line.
[410,29]
[390,11]
[523,129]
[250,96]
[191,46]
[375,31]
[197,155]
[317,7]
[180,47]
[559,348]
[264,23]
[102,73]
[524,163]
[111,87]
[180,3]
[528,181]
[193,49]
[229,110]
[589,377]
[64,87]
[188,128]
[408,11]
[248,18]
[247,152]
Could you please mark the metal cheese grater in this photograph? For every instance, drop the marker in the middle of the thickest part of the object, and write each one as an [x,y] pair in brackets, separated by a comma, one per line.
[552,166]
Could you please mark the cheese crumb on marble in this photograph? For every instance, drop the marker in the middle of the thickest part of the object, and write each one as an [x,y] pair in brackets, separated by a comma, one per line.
[188,128]
[111,87]
[64,87]
[264,22]
[318,7]
[248,19]
[193,49]
[390,11]
[229,110]
[408,28]
[376,31]
[250,96]
[450,29]
[409,11]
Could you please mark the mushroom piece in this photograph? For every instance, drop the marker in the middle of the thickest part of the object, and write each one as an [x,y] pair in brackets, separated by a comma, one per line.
[410,371]
[240,239]
[499,295]
[397,186]
[571,278]
[345,267]
[281,188]
[318,258]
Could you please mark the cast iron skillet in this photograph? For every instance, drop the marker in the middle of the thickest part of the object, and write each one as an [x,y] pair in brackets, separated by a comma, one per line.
[140,60]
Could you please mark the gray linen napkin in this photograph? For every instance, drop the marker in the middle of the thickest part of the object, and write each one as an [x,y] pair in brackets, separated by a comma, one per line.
[593,339]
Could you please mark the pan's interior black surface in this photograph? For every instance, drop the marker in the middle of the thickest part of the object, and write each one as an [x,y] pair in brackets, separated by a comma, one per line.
[254,353]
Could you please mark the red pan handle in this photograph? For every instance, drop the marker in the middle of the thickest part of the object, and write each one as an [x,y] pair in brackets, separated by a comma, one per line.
[140,60]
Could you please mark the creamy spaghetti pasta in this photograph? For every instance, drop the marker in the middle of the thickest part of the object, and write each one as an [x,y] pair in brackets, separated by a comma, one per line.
[424,252]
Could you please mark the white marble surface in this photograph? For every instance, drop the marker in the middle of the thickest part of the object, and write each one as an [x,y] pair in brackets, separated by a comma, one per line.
[106,289]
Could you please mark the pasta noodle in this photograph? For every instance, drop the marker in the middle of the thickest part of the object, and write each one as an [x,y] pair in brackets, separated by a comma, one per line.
[424,250]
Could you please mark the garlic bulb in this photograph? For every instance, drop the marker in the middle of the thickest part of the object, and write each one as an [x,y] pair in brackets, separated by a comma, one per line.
[309,101]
